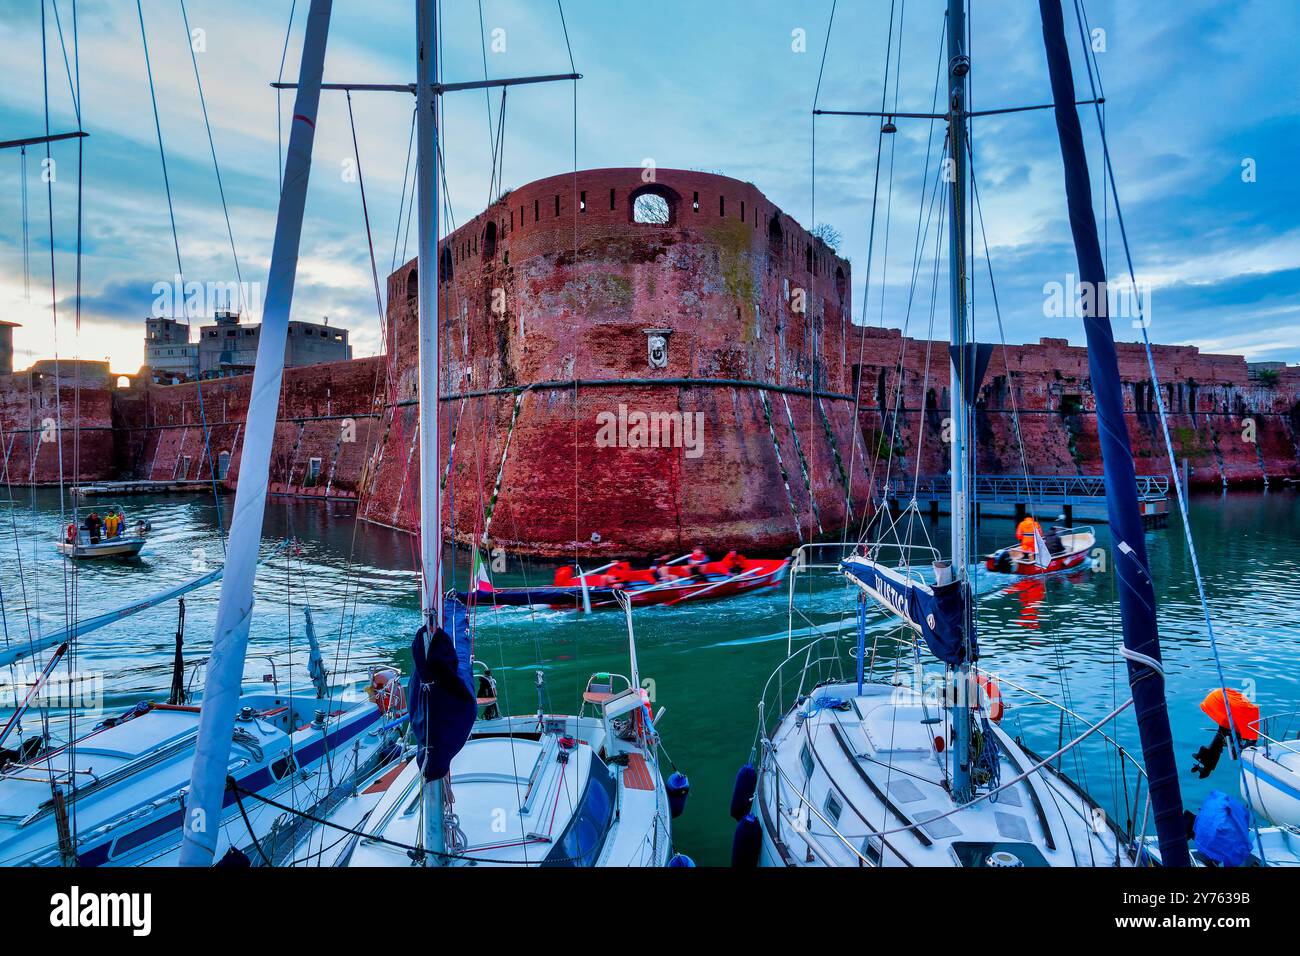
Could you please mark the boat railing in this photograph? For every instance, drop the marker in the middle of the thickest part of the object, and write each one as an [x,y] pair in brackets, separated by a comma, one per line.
[829,658]
[807,810]
[1136,823]
[909,560]
[815,663]
[1279,730]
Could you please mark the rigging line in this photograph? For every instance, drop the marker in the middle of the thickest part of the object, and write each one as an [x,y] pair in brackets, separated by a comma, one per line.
[27,250]
[54,313]
[73,89]
[212,146]
[401,206]
[940,189]
[180,270]
[866,292]
[1094,82]
[821,69]
[487,96]
[162,153]
[365,212]
[279,121]
[978,211]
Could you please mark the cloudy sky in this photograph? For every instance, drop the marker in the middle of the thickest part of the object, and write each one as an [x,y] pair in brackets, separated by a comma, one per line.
[1195,92]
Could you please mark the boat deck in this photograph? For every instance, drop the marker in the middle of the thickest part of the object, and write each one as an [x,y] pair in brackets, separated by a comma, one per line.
[866,786]
[564,796]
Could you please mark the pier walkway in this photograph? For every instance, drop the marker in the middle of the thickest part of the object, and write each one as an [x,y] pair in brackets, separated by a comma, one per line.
[117,489]
[1014,496]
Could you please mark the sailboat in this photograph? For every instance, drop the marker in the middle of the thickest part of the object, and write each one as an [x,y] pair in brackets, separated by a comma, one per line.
[116,794]
[473,787]
[858,772]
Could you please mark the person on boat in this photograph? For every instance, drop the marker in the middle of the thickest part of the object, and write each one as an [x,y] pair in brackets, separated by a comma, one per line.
[1053,537]
[1025,532]
[697,561]
[121,521]
[734,563]
[659,568]
[94,523]
[111,527]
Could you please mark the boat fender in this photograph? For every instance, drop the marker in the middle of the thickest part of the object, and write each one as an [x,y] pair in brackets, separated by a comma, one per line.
[679,788]
[742,794]
[1222,830]
[747,844]
[993,694]
[387,692]
[681,859]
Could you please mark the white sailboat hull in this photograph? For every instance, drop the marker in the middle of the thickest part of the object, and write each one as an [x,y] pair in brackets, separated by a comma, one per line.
[1270,784]
[864,786]
[132,777]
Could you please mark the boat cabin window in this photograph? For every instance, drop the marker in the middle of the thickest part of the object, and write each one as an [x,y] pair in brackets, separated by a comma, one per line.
[871,849]
[283,766]
[806,759]
[832,808]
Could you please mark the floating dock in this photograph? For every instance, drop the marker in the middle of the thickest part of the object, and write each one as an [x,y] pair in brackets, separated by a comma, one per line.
[1014,496]
[118,489]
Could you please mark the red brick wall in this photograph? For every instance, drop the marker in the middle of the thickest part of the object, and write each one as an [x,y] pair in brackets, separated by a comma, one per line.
[723,283]
[34,449]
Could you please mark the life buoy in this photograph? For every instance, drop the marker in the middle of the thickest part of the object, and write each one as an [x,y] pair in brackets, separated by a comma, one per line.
[387,692]
[993,693]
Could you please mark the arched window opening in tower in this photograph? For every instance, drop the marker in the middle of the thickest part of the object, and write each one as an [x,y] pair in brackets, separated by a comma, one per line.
[654,205]
[490,242]
[775,237]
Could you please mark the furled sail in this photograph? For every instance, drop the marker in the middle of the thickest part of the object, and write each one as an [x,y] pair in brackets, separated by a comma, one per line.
[441,691]
[933,611]
[1136,593]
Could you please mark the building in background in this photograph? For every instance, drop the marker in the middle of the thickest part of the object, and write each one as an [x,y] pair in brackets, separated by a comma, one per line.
[7,346]
[230,347]
[169,354]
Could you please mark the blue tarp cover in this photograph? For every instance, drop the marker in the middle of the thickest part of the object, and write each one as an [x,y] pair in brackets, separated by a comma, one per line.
[1222,830]
[441,691]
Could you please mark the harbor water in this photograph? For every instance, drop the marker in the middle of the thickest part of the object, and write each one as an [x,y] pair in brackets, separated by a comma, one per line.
[705,664]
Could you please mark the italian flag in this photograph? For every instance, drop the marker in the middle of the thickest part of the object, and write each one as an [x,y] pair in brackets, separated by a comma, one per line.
[482,583]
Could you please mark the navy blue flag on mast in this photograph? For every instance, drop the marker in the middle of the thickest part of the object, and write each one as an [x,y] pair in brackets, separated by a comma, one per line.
[441,691]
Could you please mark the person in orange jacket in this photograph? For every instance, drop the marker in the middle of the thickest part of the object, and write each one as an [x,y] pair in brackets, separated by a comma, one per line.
[1025,531]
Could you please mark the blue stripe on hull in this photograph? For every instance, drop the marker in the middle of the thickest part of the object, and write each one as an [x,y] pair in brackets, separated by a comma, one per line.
[257,781]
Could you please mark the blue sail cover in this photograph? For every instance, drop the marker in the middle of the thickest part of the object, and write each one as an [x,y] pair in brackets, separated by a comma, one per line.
[1136,593]
[935,612]
[441,691]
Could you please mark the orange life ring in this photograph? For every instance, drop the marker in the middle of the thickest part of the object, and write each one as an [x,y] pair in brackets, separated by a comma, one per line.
[993,692]
[387,692]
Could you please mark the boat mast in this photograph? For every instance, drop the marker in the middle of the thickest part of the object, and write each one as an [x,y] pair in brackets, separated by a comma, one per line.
[958,67]
[1137,600]
[426,177]
[229,645]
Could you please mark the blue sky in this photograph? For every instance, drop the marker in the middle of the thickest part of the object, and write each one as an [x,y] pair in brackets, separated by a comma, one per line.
[1194,88]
